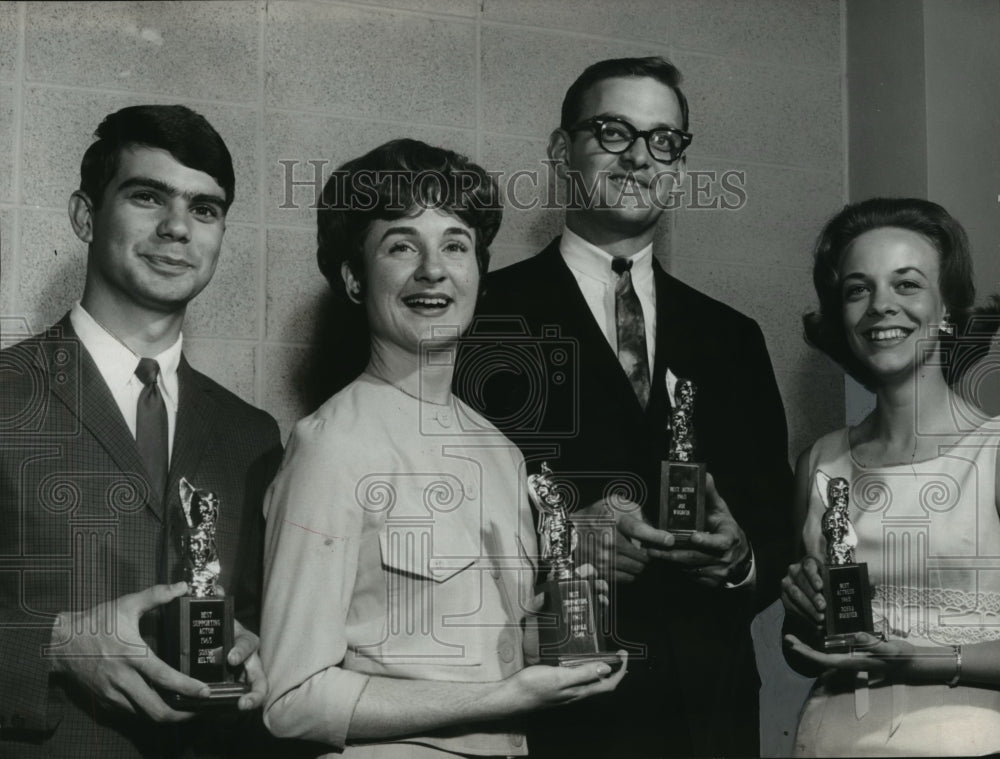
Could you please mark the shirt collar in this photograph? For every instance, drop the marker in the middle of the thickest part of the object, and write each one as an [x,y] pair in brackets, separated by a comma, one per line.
[587,259]
[115,360]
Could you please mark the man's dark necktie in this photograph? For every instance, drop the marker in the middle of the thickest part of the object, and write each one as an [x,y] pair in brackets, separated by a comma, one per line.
[631,331]
[151,435]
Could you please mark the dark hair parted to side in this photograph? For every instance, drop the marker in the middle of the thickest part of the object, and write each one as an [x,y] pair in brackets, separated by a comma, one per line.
[396,180]
[824,328]
[186,135]
[654,67]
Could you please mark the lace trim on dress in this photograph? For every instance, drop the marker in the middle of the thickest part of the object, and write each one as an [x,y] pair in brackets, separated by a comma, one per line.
[907,611]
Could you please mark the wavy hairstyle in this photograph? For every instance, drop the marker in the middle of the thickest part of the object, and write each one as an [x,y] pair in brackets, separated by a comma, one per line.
[654,67]
[183,133]
[824,327]
[396,180]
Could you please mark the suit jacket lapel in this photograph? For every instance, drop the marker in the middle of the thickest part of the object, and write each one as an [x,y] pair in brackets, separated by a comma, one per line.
[96,407]
[196,416]
[669,322]
[562,290]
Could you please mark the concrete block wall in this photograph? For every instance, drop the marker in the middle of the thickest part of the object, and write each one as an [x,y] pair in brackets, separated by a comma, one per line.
[325,81]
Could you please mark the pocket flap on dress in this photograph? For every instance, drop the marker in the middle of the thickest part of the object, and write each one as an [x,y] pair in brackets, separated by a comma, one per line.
[410,552]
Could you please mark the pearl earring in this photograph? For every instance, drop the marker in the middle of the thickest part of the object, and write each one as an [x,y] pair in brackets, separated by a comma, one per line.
[947,326]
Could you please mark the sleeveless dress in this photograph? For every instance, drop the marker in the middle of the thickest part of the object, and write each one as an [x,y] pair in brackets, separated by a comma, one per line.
[930,534]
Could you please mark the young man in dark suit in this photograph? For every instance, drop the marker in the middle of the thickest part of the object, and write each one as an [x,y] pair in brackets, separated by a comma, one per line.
[614,333]
[100,418]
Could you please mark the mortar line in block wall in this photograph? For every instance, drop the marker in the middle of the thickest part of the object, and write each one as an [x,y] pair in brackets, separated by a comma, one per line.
[368,120]
[262,200]
[653,45]
[148,96]
[12,237]
[390,10]
[844,104]
[479,83]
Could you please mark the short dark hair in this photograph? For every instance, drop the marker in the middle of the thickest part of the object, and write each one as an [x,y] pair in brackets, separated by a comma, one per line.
[186,135]
[824,328]
[393,181]
[654,67]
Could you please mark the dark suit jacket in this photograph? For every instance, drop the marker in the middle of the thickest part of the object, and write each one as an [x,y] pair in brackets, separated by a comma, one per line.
[692,680]
[79,526]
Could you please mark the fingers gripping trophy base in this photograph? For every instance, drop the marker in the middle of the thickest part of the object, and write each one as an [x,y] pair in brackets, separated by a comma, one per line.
[568,629]
[200,626]
[200,633]
[682,499]
[682,479]
[845,582]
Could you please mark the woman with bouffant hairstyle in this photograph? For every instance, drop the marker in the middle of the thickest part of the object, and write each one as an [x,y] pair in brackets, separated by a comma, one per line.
[918,501]
[400,550]
[824,327]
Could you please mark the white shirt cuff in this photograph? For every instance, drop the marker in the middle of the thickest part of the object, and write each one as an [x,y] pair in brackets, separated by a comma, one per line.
[751,578]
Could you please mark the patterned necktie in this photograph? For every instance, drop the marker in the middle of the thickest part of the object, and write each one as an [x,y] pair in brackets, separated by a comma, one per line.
[631,331]
[151,426]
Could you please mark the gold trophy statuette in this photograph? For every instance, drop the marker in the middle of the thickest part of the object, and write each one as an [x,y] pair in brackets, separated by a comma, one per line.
[682,479]
[199,626]
[568,633]
[845,582]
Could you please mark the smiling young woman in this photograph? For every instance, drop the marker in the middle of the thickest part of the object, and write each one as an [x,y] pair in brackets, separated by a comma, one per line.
[894,281]
[382,634]
[892,302]
[423,278]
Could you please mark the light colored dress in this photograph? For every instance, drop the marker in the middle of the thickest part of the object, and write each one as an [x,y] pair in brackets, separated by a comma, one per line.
[930,534]
[400,544]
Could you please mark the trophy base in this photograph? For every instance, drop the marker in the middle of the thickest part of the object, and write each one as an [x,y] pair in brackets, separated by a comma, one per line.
[848,605]
[849,642]
[197,636]
[575,660]
[681,537]
[842,643]
[682,499]
[568,633]
[221,695]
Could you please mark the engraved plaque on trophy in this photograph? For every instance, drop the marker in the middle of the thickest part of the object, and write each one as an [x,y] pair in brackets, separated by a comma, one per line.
[682,479]
[568,629]
[845,582]
[199,625]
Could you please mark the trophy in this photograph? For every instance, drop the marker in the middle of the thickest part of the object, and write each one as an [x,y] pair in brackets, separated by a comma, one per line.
[682,480]
[199,625]
[845,582]
[568,633]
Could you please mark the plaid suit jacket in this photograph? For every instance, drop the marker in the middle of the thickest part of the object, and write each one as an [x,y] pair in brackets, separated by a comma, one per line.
[79,525]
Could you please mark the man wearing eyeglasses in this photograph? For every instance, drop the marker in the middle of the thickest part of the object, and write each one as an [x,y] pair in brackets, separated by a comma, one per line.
[614,334]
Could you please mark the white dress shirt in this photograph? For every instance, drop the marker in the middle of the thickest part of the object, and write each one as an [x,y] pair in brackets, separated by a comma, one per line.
[117,364]
[592,268]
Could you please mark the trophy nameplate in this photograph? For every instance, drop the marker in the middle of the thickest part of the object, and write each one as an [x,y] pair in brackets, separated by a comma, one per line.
[199,626]
[845,581]
[568,627]
[682,479]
